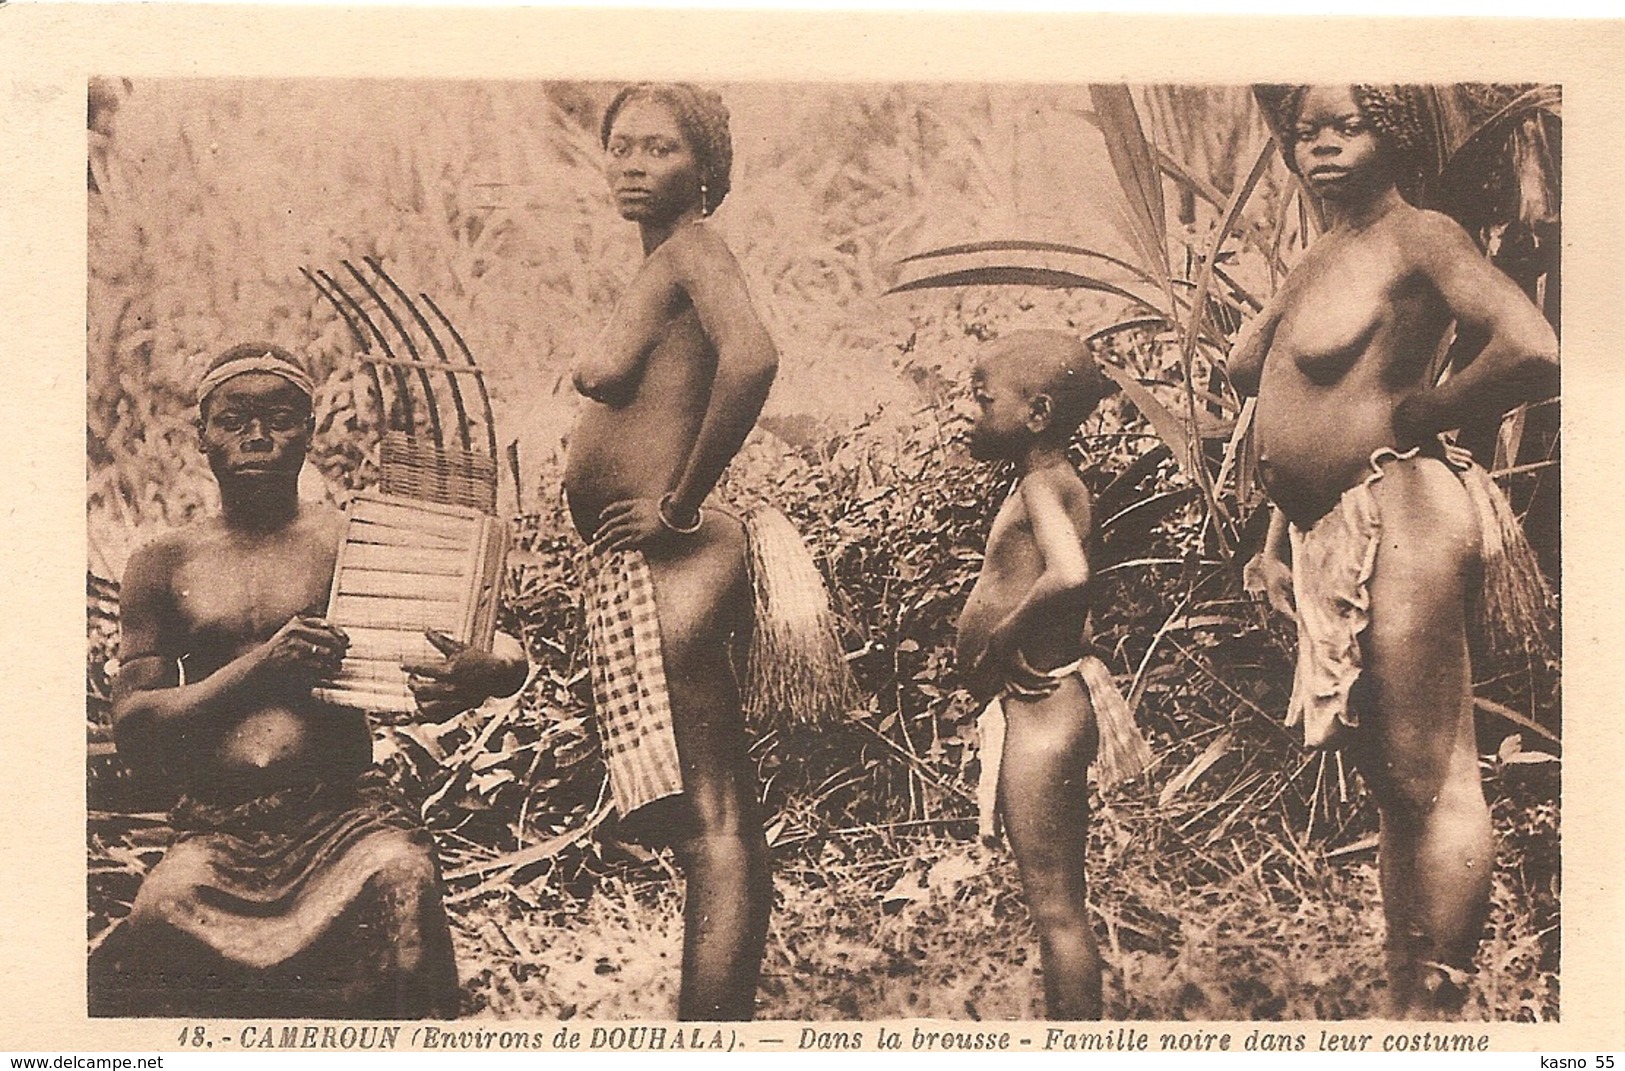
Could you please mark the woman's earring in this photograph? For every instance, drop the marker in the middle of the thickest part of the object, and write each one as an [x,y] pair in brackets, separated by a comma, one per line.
[705,199]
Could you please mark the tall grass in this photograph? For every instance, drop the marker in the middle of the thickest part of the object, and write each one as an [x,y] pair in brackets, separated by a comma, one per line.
[489,197]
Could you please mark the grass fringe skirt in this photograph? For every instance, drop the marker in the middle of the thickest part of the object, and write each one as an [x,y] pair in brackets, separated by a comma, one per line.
[796,671]
[1515,609]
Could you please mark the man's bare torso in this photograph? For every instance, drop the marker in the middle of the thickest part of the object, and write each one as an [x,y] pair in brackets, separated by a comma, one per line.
[229,592]
[653,370]
[1354,330]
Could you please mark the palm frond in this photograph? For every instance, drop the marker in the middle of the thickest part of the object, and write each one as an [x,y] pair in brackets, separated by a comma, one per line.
[1134,161]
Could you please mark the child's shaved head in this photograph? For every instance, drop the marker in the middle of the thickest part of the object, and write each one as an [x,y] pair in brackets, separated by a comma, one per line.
[1059,365]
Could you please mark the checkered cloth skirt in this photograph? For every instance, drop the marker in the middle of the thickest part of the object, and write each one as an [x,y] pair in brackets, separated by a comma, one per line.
[633,706]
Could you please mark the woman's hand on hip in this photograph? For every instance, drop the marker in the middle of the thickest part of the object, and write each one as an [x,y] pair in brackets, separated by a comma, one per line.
[632,524]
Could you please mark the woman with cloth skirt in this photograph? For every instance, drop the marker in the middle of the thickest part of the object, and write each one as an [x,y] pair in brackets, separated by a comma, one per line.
[673,387]
[1384,545]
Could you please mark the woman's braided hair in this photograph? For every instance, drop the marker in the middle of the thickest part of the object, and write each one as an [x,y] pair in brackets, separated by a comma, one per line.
[703,119]
[1395,112]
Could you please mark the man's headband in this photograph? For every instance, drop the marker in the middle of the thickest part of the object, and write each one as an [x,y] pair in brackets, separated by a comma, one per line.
[266,362]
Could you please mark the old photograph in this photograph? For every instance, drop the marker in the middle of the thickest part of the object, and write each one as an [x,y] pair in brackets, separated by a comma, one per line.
[824,550]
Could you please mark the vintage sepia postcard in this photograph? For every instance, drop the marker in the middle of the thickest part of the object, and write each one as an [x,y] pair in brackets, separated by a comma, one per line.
[672,530]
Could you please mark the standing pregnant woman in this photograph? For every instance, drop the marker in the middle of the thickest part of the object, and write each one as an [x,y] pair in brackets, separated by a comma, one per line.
[673,387]
[1382,545]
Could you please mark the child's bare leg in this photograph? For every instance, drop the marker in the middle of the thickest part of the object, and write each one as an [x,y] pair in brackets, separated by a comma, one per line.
[1044,794]
[703,598]
[1419,752]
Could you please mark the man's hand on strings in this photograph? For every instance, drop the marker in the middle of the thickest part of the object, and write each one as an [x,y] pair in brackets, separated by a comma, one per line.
[306,648]
[465,677]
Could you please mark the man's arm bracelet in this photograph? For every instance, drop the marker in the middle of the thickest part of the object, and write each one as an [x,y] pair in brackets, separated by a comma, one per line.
[660,511]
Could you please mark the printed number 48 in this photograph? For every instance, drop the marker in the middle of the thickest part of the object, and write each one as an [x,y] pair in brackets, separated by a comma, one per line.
[195,1036]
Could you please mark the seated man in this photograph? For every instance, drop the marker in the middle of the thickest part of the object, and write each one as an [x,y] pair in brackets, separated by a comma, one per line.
[300,882]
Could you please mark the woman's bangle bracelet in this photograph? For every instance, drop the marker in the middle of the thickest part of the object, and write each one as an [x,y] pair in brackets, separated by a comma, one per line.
[660,511]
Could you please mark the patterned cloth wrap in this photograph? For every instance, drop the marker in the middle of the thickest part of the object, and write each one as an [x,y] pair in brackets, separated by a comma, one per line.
[630,697]
[319,900]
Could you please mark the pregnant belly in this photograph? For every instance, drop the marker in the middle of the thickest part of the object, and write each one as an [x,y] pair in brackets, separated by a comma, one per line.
[617,454]
[1312,449]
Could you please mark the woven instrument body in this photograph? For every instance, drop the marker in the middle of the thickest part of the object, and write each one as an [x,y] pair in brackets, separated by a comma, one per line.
[407,565]
[426,549]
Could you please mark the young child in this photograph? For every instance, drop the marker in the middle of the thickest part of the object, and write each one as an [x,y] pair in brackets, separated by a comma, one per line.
[1020,645]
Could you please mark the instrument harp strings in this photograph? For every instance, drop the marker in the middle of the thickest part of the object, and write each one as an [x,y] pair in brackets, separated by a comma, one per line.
[407,566]
[425,550]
